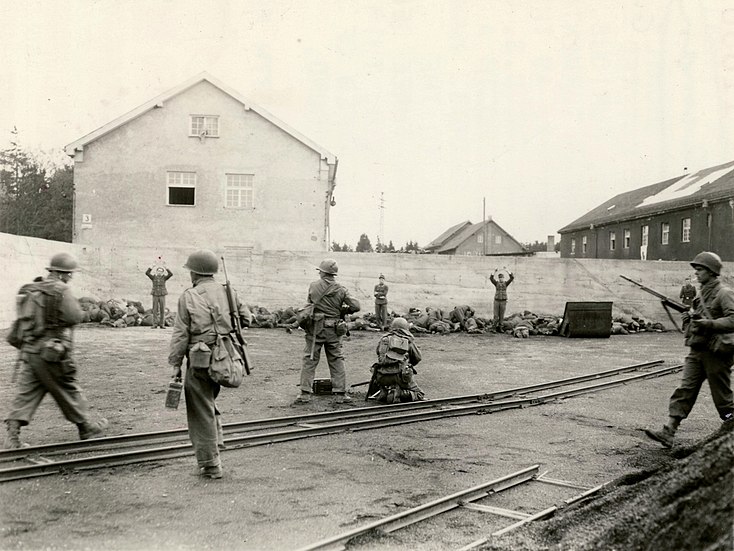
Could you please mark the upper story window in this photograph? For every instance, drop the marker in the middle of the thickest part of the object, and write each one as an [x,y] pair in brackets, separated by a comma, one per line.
[204,126]
[612,240]
[573,246]
[181,188]
[480,238]
[685,233]
[627,239]
[240,191]
[498,239]
[664,233]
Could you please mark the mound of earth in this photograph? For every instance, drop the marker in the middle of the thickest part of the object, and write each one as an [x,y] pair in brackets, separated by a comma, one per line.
[685,503]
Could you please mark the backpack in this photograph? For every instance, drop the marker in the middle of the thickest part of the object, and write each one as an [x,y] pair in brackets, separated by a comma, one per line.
[32,317]
[393,349]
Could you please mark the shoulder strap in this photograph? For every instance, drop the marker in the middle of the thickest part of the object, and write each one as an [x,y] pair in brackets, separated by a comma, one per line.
[329,289]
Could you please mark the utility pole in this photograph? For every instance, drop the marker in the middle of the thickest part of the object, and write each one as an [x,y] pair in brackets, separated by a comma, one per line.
[381,236]
[484,226]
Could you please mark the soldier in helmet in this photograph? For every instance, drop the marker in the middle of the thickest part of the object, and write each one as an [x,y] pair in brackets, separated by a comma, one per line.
[203,312]
[48,312]
[331,302]
[713,313]
[392,374]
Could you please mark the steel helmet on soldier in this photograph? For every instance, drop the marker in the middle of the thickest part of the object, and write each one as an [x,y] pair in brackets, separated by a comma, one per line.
[400,323]
[202,262]
[62,262]
[328,266]
[710,261]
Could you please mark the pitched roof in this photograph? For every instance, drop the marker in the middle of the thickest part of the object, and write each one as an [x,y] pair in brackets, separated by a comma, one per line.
[159,100]
[448,234]
[469,231]
[709,184]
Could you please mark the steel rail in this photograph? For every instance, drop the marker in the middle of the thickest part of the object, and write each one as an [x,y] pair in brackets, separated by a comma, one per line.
[275,422]
[464,499]
[530,518]
[28,471]
[428,510]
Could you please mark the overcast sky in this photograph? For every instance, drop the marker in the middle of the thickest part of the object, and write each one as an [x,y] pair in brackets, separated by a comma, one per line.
[546,109]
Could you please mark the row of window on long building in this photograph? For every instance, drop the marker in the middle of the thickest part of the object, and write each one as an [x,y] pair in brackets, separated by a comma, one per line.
[239,190]
[685,236]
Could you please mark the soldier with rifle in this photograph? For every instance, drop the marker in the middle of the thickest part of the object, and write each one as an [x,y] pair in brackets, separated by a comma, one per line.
[48,311]
[706,326]
[204,311]
[328,303]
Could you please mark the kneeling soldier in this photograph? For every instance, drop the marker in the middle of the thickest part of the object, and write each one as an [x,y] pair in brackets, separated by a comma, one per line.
[393,372]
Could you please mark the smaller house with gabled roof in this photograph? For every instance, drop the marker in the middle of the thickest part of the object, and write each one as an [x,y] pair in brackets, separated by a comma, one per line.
[483,239]
[671,220]
[202,166]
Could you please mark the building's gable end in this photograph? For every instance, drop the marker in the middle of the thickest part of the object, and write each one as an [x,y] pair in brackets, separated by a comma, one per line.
[159,102]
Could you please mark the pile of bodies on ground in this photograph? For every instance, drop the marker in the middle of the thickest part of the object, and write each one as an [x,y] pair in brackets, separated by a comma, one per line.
[127,313]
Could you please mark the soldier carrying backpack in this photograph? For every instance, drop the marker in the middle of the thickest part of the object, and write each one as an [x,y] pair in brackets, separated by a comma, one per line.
[392,374]
[47,311]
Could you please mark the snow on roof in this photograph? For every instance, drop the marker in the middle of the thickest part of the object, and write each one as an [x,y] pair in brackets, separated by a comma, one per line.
[686,186]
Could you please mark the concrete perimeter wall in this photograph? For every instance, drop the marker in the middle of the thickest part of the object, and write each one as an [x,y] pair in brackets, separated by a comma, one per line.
[276,279]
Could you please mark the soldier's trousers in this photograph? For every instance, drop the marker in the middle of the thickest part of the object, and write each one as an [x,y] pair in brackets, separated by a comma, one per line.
[159,310]
[37,377]
[381,315]
[332,345]
[698,366]
[202,415]
[499,311]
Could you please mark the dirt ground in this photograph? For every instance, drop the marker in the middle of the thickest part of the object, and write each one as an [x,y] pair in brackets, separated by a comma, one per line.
[288,495]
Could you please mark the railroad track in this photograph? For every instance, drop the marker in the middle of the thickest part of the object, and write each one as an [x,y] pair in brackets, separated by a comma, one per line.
[466,500]
[111,451]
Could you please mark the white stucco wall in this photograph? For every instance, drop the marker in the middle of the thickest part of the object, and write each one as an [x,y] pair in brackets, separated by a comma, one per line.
[276,279]
[121,180]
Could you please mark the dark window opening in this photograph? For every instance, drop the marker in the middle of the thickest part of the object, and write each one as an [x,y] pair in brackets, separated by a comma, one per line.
[181,195]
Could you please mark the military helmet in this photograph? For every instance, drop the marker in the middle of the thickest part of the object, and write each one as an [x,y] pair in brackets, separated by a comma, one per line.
[328,266]
[202,262]
[400,323]
[62,262]
[710,261]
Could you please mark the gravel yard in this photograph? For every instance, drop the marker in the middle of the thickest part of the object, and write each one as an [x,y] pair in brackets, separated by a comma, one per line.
[288,495]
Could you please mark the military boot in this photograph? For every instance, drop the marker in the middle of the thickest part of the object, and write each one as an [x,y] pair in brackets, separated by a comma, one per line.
[12,439]
[94,429]
[666,436]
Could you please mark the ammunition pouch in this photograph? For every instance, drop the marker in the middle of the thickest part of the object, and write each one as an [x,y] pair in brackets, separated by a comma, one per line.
[341,328]
[200,356]
[53,351]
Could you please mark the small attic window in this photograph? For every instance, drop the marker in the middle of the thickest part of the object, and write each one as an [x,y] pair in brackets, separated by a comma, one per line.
[204,126]
[611,207]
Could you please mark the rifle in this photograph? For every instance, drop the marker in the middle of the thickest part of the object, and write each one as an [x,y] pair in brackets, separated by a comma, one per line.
[235,318]
[665,301]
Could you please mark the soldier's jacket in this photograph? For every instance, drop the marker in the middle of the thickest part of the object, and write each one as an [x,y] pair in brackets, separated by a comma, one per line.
[62,312]
[719,301]
[159,282]
[203,311]
[501,287]
[331,303]
[381,293]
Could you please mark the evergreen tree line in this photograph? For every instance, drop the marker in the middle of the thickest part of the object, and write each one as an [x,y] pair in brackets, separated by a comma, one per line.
[364,245]
[36,199]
